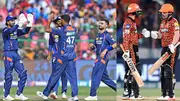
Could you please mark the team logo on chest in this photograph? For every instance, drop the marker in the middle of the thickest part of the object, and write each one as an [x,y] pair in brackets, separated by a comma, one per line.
[99,40]
[13,35]
[56,38]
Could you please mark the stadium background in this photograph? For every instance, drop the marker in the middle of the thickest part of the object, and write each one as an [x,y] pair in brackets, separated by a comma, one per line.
[33,47]
[85,14]
[149,49]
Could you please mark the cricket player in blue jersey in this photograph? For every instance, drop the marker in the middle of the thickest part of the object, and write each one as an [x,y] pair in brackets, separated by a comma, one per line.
[102,44]
[53,49]
[64,61]
[12,60]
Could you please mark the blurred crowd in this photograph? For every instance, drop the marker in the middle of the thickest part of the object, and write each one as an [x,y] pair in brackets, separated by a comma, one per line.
[84,14]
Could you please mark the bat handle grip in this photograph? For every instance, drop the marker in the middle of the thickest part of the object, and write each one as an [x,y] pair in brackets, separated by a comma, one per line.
[122,47]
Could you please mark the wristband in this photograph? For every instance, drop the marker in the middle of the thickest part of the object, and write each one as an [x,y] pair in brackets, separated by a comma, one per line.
[109,48]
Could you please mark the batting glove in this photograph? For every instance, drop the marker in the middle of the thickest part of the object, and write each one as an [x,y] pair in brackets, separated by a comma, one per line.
[154,34]
[171,48]
[146,33]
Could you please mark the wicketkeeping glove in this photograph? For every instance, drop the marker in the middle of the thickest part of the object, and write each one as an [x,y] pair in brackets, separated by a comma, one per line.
[30,19]
[21,20]
[171,48]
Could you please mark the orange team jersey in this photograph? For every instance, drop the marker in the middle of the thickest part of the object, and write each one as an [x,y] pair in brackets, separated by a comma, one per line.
[167,29]
[130,36]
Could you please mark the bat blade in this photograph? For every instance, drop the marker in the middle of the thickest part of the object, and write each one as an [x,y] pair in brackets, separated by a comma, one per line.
[158,63]
[134,72]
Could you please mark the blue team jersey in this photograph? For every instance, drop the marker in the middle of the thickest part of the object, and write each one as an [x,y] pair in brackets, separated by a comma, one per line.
[10,37]
[53,43]
[66,41]
[102,41]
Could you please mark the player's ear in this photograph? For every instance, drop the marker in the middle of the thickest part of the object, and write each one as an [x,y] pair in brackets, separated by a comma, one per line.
[62,21]
[106,25]
[7,23]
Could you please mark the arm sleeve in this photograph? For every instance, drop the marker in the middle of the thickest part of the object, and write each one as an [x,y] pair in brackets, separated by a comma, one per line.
[140,36]
[126,36]
[94,42]
[23,31]
[175,29]
[110,39]
[8,31]
[57,31]
[51,42]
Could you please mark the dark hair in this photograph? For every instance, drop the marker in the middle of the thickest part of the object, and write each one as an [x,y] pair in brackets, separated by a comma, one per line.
[65,17]
[104,19]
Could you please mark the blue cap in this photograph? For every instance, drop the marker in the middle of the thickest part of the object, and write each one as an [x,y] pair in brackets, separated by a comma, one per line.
[58,18]
[8,18]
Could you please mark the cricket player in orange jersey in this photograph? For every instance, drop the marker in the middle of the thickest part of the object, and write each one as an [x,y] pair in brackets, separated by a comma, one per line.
[130,45]
[169,35]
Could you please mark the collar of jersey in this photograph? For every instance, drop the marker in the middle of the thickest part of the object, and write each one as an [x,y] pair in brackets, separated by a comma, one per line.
[103,33]
[170,18]
[66,25]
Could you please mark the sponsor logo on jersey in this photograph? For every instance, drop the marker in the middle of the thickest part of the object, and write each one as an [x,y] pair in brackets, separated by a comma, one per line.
[99,40]
[128,26]
[126,31]
[70,33]
[13,35]
[56,38]
[164,30]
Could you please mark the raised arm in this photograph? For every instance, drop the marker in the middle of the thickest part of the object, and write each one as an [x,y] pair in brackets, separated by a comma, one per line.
[8,31]
[48,28]
[52,30]
[23,31]
[51,42]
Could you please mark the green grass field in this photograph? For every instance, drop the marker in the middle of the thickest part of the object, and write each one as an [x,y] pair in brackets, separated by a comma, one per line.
[104,94]
[150,94]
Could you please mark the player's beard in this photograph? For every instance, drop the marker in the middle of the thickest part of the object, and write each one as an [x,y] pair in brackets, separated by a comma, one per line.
[101,28]
[12,24]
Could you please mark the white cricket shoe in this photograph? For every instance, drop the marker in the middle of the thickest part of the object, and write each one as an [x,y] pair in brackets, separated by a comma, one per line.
[162,98]
[8,98]
[53,95]
[91,98]
[20,97]
[75,98]
[132,98]
[40,94]
[172,99]
[140,97]
[64,95]
[125,95]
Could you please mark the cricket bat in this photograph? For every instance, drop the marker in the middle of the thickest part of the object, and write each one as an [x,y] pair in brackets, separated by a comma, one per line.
[160,61]
[133,69]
